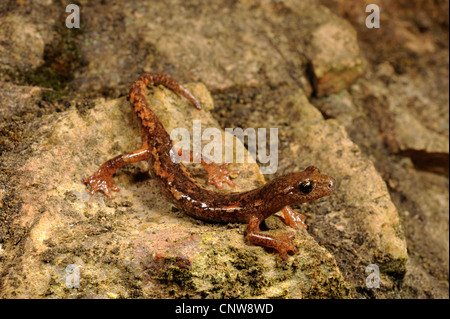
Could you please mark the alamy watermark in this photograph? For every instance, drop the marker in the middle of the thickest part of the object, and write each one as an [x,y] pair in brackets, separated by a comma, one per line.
[72,276]
[373,279]
[73,19]
[221,149]
[373,19]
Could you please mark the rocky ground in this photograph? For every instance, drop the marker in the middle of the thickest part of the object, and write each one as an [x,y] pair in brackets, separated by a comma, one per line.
[367,106]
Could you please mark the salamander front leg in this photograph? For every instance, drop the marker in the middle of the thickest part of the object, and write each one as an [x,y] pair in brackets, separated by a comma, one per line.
[102,179]
[293,218]
[282,243]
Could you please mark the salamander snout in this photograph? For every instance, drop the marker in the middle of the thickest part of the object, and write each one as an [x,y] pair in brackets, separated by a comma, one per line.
[314,184]
[331,184]
[326,182]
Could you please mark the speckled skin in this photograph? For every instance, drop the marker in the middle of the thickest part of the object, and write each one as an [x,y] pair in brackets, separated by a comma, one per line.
[250,207]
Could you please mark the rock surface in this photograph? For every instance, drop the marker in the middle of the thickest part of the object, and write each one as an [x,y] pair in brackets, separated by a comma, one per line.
[139,239]
[21,45]
[404,90]
[362,217]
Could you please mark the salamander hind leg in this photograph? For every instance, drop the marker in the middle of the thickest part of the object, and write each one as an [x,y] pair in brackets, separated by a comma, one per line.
[217,174]
[102,179]
[101,182]
[282,243]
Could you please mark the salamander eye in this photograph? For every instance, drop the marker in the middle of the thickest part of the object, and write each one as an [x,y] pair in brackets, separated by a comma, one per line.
[306,187]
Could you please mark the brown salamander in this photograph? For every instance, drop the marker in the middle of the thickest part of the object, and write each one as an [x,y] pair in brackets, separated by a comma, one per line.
[250,207]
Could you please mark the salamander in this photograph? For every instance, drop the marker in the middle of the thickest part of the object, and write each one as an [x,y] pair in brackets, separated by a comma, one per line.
[251,207]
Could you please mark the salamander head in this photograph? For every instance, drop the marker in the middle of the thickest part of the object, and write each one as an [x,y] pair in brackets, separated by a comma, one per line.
[300,187]
[312,185]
